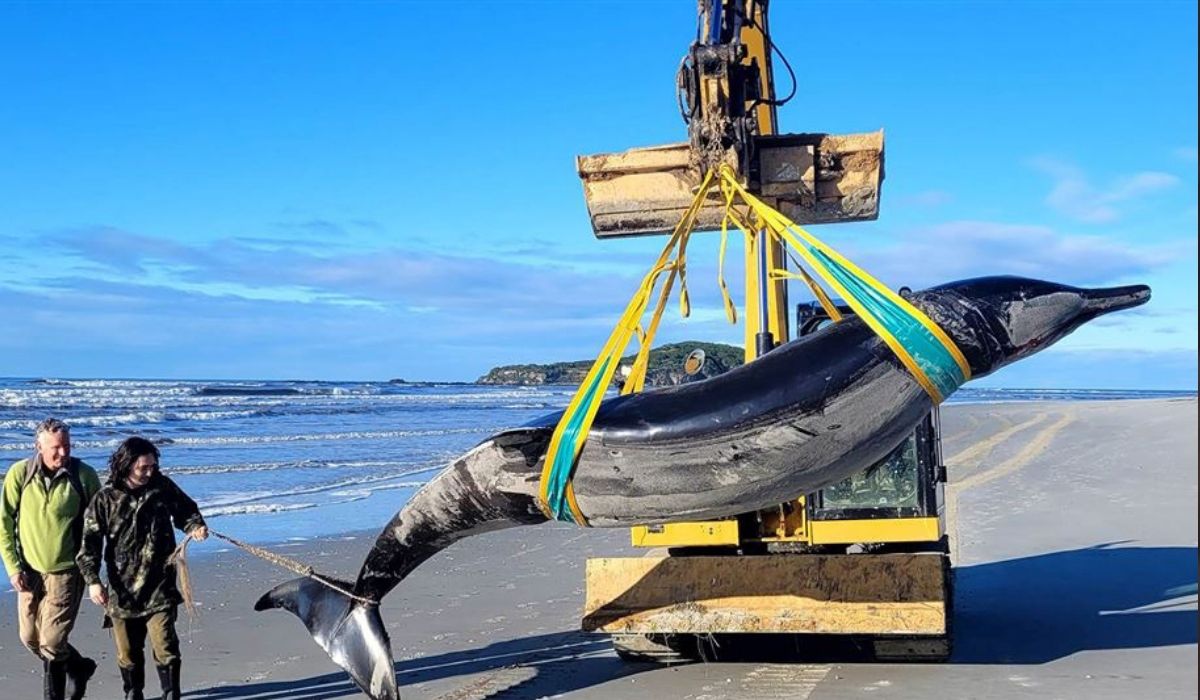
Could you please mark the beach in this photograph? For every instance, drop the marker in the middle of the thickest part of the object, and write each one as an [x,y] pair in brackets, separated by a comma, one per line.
[1073,527]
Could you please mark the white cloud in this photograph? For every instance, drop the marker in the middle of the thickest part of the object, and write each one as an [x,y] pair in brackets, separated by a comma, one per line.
[282,308]
[1075,196]
[1065,368]
[961,249]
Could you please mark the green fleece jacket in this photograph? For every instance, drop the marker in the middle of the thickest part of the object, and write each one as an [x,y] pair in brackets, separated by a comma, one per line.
[40,536]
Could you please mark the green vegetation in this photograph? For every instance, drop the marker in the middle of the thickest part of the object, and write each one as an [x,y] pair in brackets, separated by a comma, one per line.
[665,368]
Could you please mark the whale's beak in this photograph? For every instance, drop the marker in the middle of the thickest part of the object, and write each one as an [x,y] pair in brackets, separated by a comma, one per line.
[1107,299]
[1043,313]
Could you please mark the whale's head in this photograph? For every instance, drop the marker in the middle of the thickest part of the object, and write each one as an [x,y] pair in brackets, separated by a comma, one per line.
[998,320]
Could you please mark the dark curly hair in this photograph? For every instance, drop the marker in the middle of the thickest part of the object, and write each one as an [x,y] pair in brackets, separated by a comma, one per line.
[121,462]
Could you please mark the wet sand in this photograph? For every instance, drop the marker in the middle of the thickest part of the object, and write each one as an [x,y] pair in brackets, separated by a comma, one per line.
[1074,534]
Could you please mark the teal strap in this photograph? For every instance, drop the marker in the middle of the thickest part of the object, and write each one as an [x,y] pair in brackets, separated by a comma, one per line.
[564,460]
[927,351]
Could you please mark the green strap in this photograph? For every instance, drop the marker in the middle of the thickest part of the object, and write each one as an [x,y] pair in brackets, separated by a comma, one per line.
[927,351]
[564,458]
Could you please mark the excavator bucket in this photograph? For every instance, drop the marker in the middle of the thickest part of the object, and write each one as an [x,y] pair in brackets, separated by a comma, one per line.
[810,178]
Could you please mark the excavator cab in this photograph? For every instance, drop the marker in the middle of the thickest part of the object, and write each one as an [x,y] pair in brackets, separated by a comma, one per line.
[865,560]
[906,485]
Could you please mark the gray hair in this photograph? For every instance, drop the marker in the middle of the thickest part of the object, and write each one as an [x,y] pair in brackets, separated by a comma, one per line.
[51,425]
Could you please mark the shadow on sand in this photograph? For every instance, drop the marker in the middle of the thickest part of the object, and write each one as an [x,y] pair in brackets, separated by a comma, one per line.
[1037,609]
[530,667]
[1031,610]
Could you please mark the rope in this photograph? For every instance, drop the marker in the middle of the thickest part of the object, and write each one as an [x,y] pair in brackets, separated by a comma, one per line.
[179,558]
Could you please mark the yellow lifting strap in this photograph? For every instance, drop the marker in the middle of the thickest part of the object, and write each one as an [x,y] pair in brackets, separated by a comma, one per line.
[924,349]
[557,498]
[921,345]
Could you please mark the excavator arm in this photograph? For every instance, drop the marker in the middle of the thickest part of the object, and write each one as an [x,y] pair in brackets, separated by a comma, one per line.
[727,101]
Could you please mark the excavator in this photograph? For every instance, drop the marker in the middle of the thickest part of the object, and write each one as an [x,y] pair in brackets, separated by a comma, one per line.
[865,560]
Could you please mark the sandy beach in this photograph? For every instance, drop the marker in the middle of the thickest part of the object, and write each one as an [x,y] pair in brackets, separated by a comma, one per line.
[1074,536]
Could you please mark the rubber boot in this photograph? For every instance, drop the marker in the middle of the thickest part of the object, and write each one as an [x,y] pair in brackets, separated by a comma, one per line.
[133,680]
[80,670]
[169,677]
[55,679]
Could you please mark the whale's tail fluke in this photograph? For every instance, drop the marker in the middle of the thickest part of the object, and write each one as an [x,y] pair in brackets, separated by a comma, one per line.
[351,632]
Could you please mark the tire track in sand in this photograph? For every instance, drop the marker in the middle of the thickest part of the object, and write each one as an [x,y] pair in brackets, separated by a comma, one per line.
[769,682]
[982,447]
[493,685]
[1032,449]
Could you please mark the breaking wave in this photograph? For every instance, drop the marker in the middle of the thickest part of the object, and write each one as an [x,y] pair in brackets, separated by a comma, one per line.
[121,419]
[304,464]
[226,440]
[256,508]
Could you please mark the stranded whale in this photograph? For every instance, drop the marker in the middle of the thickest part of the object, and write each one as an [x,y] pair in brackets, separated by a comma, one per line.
[800,418]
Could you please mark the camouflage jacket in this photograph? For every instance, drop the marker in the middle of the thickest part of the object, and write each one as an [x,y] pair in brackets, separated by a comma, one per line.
[134,531]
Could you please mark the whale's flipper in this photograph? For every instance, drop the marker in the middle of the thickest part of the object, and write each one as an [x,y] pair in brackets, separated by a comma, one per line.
[352,633]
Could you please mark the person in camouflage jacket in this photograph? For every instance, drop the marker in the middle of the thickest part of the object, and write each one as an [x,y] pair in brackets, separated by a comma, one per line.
[130,524]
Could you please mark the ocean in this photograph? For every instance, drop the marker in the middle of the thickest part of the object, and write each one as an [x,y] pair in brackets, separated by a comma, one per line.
[278,461]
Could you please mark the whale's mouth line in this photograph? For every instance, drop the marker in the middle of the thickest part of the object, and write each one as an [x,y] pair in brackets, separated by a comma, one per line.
[1108,299]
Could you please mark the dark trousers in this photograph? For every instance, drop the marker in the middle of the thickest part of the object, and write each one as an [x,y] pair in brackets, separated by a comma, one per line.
[130,634]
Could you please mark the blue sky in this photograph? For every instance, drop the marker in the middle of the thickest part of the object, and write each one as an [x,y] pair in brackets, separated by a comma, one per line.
[378,190]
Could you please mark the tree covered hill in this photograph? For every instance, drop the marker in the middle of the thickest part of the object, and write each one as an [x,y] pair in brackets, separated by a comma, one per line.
[665,368]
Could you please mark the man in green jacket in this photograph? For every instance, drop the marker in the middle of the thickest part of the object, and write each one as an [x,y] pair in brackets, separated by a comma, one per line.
[41,521]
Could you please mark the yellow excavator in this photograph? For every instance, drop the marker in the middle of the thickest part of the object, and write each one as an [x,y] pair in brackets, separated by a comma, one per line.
[866,559]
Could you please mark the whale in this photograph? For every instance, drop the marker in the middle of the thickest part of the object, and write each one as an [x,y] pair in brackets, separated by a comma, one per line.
[801,417]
